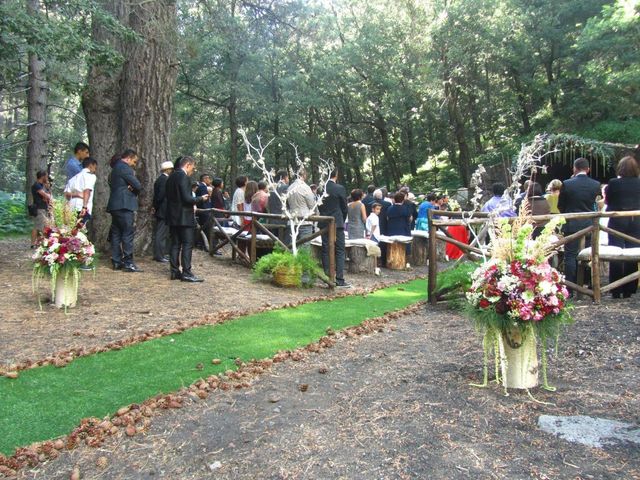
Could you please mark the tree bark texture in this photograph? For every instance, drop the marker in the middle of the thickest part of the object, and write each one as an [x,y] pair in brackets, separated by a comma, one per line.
[457,124]
[37,113]
[101,103]
[148,85]
[131,106]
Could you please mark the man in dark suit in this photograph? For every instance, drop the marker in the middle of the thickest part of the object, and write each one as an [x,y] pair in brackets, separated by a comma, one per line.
[161,229]
[334,204]
[368,199]
[181,219]
[578,194]
[204,188]
[123,203]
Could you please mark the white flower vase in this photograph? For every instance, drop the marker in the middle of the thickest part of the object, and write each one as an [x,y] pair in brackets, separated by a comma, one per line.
[66,292]
[520,359]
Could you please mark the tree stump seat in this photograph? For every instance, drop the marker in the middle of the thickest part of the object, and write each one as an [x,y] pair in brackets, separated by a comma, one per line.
[358,257]
[396,250]
[420,248]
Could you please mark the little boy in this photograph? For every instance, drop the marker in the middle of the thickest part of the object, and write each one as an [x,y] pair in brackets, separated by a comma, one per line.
[373,222]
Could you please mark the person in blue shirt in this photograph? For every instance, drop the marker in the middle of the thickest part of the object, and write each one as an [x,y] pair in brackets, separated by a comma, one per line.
[73,166]
[499,203]
[422,223]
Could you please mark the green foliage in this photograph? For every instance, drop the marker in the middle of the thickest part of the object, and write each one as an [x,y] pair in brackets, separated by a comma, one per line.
[302,264]
[454,282]
[456,278]
[382,88]
[623,131]
[104,382]
[436,174]
[14,219]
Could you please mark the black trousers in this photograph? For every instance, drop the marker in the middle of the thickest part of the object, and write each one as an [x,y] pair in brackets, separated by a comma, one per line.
[340,254]
[160,237]
[572,249]
[617,270]
[122,236]
[181,249]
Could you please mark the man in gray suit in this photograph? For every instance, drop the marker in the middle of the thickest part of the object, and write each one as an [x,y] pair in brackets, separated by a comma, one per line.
[123,203]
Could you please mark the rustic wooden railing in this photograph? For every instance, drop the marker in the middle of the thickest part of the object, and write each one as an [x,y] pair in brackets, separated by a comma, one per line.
[264,228]
[481,222]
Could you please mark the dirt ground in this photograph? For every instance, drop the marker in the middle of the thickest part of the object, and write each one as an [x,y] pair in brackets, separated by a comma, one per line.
[115,305]
[395,405]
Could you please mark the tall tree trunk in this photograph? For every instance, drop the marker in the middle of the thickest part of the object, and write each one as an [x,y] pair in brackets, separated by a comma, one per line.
[234,138]
[410,142]
[551,82]
[457,124]
[312,135]
[131,106]
[475,123]
[37,112]
[149,79]
[381,125]
[101,103]
[522,100]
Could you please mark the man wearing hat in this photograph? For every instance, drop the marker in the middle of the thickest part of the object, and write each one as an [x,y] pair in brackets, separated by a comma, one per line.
[161,230]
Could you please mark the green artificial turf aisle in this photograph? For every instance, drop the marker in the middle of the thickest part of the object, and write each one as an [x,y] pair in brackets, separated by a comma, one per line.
[48,402]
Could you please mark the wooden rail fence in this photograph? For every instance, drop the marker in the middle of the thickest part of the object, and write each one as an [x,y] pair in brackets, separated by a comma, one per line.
[216,228]
[482,223]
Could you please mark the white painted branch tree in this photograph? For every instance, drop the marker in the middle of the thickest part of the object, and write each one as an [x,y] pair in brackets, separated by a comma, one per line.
[255,154]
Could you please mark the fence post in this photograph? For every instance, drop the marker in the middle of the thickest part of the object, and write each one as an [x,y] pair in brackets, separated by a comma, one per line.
[332,250]
[252,249]
[595,260]
[433,260]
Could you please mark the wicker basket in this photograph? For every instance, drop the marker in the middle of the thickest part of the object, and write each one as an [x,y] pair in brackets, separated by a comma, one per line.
[285,277]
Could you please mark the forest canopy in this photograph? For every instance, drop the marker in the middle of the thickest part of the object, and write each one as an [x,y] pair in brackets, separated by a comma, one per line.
[413,91]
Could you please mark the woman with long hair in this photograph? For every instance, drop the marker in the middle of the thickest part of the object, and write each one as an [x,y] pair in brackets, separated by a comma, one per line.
[623,194]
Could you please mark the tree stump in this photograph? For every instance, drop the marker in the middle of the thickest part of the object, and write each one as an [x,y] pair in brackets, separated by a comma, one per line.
[419,251]
[396,256]
[359,261]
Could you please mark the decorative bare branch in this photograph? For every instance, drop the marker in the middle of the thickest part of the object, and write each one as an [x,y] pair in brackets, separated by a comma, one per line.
[255,154]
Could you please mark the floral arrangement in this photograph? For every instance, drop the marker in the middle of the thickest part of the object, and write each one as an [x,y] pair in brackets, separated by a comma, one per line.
[62,249]
[517,295]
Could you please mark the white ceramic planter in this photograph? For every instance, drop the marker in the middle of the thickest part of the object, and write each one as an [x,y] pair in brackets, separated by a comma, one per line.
[520,365]
[66,293]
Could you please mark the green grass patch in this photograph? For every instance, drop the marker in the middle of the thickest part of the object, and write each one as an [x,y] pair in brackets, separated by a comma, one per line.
[48,402]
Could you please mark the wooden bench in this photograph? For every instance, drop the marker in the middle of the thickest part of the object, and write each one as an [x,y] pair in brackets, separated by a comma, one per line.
[608,253]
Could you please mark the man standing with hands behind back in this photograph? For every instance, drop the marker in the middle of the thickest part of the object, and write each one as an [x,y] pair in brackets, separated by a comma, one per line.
[334,204]
[161,230]
[578,194]
[181,219]
[123,203]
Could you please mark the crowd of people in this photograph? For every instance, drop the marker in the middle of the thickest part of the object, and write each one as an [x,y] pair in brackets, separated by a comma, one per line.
[580,193]
[180,204]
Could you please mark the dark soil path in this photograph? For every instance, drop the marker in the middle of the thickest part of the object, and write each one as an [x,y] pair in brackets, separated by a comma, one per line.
[395,404]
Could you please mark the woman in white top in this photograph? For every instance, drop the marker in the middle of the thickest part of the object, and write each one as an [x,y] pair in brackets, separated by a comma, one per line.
[237,202]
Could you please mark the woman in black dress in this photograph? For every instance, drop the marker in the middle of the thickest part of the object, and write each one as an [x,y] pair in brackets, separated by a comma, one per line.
[623,194]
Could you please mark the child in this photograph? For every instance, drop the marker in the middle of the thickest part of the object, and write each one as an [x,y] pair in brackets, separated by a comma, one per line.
[373,222]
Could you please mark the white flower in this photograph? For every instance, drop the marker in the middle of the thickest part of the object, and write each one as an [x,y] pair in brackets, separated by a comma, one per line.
[545,287]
